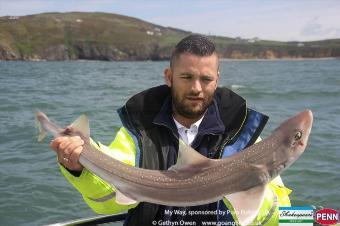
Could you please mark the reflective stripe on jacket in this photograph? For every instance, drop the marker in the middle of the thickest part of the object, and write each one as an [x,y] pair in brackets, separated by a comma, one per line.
[97,193]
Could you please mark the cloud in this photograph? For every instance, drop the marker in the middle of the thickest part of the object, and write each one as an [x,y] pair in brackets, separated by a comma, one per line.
[274,20]
[314,28]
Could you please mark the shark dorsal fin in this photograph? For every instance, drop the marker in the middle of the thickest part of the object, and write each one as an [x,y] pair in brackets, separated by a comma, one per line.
[82,124]
[188,158]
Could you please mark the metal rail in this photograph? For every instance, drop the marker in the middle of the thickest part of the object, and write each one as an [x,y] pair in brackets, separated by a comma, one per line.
[97,220]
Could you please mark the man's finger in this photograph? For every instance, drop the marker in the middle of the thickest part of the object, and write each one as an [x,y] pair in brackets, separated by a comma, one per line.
[74,158]
[64,144]
[61,157]
[72,145]
[55,144]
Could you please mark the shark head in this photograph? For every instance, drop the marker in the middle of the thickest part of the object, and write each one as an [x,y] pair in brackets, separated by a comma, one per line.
[287,143]
[294,134]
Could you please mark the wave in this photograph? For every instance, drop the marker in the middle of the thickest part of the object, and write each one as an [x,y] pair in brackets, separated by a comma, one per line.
[237,87]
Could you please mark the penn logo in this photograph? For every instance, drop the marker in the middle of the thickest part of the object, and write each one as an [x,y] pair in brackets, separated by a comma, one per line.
[327,216]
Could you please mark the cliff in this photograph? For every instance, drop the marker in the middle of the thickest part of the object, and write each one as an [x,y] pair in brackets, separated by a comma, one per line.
[103,36]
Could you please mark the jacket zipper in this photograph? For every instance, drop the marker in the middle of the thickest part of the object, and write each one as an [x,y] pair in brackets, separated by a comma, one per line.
[228,139]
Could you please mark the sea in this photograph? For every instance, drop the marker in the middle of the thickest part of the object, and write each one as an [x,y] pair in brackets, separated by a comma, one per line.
[32,189]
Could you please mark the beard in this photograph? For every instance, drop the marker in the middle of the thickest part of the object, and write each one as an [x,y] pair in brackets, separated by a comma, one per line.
[187,109]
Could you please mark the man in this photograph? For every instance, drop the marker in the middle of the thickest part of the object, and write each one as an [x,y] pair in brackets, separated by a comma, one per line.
[214,121]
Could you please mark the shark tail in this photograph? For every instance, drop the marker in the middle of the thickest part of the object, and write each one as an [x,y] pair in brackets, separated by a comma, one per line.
[42,131]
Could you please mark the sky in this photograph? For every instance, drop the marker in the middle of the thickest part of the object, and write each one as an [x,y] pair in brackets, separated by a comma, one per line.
[280,20]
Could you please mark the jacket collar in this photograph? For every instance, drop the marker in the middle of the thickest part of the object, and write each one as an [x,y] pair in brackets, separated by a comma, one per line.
[164,117]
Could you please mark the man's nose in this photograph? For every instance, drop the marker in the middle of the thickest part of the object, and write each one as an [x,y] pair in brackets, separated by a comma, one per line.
[196,86]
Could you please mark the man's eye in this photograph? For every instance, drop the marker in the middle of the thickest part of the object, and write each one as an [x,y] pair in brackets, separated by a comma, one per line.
[207,79]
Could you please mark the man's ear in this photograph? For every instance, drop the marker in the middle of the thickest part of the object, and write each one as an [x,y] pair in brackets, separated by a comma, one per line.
[218,78]
[168,76]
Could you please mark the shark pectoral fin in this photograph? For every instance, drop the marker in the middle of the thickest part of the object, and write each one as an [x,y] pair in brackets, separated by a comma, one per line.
[247,204]
[123,199]
[82,124]
[262,173]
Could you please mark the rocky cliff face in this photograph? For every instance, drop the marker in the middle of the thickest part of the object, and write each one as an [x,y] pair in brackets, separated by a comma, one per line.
[97,51]
[265,52]
[85,50]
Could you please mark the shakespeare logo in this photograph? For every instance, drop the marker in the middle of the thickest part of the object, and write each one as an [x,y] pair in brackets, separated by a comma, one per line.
[297,215]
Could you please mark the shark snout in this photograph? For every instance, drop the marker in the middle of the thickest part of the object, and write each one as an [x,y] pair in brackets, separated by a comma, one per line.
[303,123]
[307,122]
[308,117]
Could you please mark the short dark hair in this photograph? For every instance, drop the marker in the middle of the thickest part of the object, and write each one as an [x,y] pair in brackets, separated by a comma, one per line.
[194,44]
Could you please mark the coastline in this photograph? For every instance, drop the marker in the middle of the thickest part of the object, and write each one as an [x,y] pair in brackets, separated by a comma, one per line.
[134,60]
[281,59]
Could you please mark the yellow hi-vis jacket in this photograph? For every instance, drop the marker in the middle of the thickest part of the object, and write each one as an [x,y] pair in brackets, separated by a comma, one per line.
[100,195]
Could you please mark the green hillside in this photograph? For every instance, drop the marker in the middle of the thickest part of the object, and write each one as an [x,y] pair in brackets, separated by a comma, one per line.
[103,36]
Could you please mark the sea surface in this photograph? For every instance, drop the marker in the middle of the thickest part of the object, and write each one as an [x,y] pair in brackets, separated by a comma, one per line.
[32,189]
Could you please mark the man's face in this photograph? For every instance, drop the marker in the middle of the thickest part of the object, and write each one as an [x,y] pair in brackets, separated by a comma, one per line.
[193,81]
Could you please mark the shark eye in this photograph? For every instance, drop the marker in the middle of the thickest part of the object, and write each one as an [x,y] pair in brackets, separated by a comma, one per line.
[297,135]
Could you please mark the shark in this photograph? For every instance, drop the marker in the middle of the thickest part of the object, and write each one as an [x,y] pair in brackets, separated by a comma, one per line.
[196,179]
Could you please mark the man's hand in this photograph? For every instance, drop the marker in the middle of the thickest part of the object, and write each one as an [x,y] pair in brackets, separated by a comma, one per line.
[68,150]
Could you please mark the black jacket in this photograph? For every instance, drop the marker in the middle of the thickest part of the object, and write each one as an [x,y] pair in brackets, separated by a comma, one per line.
[148,116]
